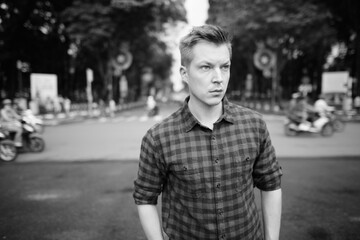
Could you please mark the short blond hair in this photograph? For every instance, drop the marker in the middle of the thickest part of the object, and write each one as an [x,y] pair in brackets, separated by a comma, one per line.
[206,33]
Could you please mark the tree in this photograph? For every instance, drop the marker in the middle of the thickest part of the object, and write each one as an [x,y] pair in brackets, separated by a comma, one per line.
[66,37]
[102,29]
[30,32]
[345,18]
[293,30]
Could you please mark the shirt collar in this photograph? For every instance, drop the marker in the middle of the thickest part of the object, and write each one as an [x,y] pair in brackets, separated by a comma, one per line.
[190,121]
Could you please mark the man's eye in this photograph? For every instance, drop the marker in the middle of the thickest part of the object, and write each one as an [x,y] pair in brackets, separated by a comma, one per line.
[226,67]
[205,67]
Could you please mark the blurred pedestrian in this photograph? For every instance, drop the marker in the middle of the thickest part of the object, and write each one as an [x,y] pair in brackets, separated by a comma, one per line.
[305,88]
[357,104]
[67,106]
[11,121]
[206,158]
[112,108]
[153,109]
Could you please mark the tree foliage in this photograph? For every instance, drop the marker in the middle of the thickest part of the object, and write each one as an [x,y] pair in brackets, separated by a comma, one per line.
[30,32]
[298,31]
[345,19]
[62,36]
[101,29]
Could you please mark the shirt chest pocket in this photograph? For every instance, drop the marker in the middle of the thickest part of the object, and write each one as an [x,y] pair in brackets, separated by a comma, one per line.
[187,180]
[242,168]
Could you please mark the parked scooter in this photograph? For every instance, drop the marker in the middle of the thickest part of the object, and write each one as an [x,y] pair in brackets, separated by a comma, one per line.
[321,125]
[31,140]
[8,151]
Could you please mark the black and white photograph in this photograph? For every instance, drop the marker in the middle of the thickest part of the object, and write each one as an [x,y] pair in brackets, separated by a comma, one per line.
[179,120]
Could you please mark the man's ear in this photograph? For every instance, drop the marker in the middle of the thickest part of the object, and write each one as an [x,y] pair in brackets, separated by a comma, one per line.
[184,74]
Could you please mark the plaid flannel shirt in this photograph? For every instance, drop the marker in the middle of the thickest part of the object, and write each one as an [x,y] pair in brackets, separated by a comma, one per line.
[207,177]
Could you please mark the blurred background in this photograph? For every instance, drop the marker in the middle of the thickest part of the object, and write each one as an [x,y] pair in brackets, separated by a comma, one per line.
[97,74]
[121,51]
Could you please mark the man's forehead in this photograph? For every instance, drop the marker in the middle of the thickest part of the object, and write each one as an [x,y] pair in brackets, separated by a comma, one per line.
[211,52]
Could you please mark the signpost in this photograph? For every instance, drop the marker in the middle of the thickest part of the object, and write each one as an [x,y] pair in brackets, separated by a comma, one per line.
[265,60]
[122,62]
[89,80]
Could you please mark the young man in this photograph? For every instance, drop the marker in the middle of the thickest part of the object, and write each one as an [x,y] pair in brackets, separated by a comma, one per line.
[206,157]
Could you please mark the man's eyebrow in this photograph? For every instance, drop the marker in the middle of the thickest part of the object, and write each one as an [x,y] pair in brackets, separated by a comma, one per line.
[205,62]
[211,63]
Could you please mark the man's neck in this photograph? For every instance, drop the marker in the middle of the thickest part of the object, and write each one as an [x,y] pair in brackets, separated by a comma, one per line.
[206,115]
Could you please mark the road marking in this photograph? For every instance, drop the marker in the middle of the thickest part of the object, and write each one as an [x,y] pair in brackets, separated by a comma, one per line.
[354,219]
[43,196]
[127,119]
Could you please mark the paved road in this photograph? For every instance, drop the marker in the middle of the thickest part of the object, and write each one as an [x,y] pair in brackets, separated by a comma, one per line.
[119,139]
[93,200]
[71,192]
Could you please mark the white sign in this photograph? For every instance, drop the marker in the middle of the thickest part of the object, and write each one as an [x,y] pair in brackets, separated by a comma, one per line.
[89,75]
[335,82]
[43,86]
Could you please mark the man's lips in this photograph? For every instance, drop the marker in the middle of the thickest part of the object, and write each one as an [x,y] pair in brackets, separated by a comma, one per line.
[216,90]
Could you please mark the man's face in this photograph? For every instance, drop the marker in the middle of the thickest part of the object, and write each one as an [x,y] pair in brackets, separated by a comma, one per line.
[7,106]
[208,73]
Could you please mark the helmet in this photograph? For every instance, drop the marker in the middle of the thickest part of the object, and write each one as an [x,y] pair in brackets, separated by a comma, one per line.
[6,101]
[297,95]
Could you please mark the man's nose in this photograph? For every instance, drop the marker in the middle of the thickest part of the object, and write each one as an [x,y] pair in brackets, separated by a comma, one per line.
[217,77]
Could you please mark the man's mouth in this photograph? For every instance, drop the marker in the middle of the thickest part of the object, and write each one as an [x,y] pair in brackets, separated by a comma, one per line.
[216,90]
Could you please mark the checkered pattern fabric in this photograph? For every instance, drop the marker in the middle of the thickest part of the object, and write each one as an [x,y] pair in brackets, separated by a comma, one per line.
[207,177]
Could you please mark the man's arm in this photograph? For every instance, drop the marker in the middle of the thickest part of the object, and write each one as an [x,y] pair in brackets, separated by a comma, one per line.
[150,221]
[4,116]
[271,202]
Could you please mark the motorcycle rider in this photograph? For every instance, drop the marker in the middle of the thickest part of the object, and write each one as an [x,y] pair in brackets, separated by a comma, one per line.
[322,107]
[301,112]
[11,121]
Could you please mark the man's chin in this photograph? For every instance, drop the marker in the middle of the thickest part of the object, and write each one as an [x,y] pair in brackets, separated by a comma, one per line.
[214,101]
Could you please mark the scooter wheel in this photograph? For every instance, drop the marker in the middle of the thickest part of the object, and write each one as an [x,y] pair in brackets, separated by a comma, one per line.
[36,144]
[327,130]
[8,151]
[289,132]
[338,125]
[40,128]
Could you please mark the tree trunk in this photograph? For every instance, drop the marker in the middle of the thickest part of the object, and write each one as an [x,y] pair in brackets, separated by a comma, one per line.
[357,64]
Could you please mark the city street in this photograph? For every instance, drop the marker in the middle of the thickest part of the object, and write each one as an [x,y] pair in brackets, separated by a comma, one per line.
[80,187]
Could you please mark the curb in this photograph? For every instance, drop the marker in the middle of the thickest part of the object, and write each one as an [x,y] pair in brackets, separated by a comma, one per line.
[52,119]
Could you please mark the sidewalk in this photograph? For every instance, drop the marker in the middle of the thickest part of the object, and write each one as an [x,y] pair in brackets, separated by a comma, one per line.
[77,116]
[340,145]
[81,115]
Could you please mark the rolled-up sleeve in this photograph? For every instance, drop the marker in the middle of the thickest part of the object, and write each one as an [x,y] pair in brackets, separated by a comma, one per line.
[149,182]
[267,170]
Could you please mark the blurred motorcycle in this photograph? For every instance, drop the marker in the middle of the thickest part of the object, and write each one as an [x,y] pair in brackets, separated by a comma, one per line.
[31,139]
[8,151]
[336,120]
[31,119]
[321,125]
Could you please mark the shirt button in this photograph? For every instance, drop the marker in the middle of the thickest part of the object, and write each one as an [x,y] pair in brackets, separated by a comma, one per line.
[218,185]
[217,160]
[213,138]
